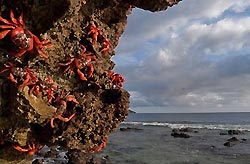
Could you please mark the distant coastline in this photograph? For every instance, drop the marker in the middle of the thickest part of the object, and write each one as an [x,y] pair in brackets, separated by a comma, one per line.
[130,111]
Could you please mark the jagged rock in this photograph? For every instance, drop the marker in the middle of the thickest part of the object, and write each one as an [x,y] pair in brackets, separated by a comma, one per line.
[243,139]
[235,132]
[130,129]
[36,92]
[232,132]
[180,135]
[231,142]
[156,5]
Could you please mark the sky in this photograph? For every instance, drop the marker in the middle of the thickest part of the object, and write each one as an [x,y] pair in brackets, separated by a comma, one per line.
[193,57]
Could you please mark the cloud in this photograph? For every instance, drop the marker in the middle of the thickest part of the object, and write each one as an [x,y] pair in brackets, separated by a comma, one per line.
[221,37]
[194,55]
[146,25]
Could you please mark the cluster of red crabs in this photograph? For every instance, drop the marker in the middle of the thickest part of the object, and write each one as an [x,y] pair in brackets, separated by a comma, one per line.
[24,76]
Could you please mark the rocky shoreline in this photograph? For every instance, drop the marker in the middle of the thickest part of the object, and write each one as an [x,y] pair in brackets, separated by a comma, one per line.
[207,142]
[156,144]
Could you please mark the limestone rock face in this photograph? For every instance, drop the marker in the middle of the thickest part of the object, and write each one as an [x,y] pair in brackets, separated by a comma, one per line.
[62,91]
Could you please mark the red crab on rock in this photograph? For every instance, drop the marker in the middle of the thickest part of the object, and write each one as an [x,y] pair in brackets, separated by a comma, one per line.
[94,31]
[21,36]
[106,46]
[9,67]
[117,80]
[62,107]
[96,35]
[98,148]
[31,150]
[22,73]
[50,87]
[83,61]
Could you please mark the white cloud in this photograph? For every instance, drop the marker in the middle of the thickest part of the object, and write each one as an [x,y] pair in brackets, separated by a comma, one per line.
[192,55]
[137,99]
[221,37]
[201,99]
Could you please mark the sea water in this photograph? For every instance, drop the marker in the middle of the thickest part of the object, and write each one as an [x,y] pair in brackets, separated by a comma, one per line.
[193,120]
[150,142]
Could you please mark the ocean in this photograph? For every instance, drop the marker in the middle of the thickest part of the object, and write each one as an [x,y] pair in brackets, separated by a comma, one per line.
[146,138]
[204,138]
[193,120]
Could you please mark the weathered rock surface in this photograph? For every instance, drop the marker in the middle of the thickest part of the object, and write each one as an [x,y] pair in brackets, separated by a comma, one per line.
[52,89]
[234,141]
[231,142]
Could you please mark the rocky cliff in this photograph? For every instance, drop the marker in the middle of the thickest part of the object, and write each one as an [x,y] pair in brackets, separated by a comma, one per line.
[57,83]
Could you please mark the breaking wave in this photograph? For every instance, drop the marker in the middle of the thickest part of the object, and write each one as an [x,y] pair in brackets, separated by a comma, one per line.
[191,125]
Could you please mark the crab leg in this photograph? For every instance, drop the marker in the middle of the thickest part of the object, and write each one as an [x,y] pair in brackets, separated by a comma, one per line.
[72,98]
[20,53]
[69,62]
[26,81]
[4,33]
[12,17]
[38,45]
[41,53]
[12,78]
[20,20]
[61,118]
[7,26]
[18,148]
[36,89]
[82,76]
[66,119]
[7,22]
[91,69]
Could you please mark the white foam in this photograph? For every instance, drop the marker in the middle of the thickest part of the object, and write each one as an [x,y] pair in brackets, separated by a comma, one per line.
[196,126]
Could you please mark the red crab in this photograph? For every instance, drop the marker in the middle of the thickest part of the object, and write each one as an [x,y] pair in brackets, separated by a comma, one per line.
[50,87]
[81,62]
[9,67]
[98,148]
[31,150]
[21,36]
[62,103]
[95,33]
[106,46]
[117,80]
[30,80]
[26,73]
